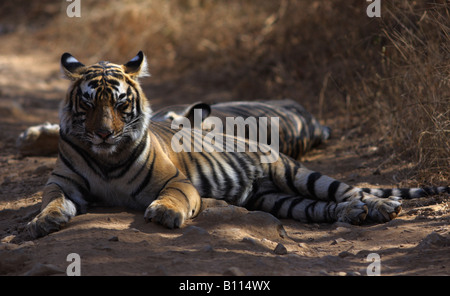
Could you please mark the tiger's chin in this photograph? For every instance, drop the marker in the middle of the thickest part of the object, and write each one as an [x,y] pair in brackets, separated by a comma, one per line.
[104,149]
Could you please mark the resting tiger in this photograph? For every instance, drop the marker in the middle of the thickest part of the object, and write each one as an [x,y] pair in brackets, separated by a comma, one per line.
[111,152]
[299,131]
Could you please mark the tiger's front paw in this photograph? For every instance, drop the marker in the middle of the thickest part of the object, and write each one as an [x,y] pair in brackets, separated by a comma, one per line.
[165,213]
[54,216]
[46,223]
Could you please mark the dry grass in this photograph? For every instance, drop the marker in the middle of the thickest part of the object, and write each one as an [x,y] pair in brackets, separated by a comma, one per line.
[411,90]
[389,75]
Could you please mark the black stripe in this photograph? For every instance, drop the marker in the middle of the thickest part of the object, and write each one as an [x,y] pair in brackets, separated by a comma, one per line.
[312,207]
[349,188]
[312,178]
[186,166]
[168,180]
[366,190]
[405,193]
[87,159]
[77,206]
[78,186]
[216,163]
[147,178]
[288,173]
[235,170]
[204,185]
[71,167]
[246,169]
[182,193]
[427,191]
[329,215]
[144,165]
[70,106]
[213,168]
[278,204]
[132,159]
[255,200]
[292,206]
[386,193]
[332,189]
[137,101]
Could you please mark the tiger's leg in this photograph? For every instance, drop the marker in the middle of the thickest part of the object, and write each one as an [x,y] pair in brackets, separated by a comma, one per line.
[178,201]
[268,198]
[292,177]
[56,211]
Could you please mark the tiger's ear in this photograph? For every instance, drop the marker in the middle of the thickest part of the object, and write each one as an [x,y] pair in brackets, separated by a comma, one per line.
[137,66]
[189,112]
[71,68]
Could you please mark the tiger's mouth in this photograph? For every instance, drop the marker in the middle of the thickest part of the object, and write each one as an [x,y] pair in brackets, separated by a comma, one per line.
[104,146]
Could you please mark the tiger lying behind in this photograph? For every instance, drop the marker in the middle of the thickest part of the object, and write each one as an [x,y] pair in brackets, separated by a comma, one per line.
[111,152]
[298,131]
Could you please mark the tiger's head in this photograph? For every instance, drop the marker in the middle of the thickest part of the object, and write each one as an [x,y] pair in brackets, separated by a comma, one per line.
[105,109]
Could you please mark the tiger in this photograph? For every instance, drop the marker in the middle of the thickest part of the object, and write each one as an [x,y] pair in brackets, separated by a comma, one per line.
[111,152]
[298,130]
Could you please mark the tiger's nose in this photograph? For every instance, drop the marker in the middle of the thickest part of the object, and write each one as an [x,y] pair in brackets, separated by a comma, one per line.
[104,134]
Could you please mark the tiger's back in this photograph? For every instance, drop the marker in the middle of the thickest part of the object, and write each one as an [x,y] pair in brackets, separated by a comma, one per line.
[298,130]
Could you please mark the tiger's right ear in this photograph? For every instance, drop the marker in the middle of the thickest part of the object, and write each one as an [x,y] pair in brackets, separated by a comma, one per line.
[189,112]
[71,68]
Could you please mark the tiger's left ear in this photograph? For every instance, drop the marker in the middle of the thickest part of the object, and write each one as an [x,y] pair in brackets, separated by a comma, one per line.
[137,66]
[71,68]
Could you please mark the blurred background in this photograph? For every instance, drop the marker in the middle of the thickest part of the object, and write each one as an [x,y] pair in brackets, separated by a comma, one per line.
[386,79]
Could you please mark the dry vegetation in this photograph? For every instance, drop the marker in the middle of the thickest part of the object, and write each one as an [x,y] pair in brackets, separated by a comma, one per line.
[390,75]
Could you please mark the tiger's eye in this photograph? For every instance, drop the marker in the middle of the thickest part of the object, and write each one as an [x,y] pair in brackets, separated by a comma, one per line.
[122,105]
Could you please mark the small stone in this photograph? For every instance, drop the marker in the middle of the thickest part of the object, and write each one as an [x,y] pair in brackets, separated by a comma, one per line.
[434,239]
[338,241]
[303,245]
[345,254]
[341,229]
[234,271]
[40,269]
[195,230]
[251,240]
[280,249]
[207,249]
[113,238]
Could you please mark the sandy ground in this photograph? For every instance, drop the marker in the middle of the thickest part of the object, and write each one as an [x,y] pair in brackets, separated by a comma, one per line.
[223,239]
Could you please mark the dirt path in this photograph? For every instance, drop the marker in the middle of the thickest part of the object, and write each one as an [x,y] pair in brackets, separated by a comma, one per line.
[223,239]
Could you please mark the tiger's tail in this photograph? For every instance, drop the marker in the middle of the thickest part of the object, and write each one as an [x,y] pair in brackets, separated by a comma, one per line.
[407,193]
